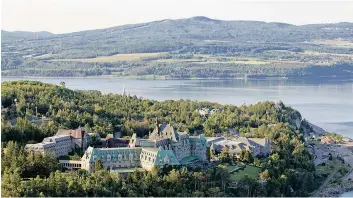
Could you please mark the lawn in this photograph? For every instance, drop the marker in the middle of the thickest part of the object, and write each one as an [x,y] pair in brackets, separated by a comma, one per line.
[251,171]
[70,157]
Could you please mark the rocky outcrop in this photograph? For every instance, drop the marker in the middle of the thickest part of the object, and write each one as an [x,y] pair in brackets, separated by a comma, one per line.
[336,190]
[317,130]
[297,123]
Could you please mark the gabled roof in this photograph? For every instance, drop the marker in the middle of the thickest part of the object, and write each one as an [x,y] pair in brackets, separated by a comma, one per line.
[189,159]
[166,157]
[164,131]
[99,152]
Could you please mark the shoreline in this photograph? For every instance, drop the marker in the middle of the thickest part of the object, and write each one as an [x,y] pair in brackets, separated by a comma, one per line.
[141,77]
[337,190]
[168,78]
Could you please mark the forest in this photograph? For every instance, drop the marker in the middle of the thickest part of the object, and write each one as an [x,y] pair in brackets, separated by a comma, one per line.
[277,49]
[288,171]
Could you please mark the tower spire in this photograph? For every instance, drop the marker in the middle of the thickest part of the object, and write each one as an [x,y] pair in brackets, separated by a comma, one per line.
[124,90]
[156,126]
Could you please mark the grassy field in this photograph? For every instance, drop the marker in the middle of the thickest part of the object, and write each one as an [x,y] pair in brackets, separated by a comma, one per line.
[192,60]
[114,58]
[314,53]
[251,171]
[251,62]
[335,43]
[44,56]
[209,59]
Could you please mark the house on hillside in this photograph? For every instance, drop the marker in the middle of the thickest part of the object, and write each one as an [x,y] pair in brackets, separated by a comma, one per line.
[327,140]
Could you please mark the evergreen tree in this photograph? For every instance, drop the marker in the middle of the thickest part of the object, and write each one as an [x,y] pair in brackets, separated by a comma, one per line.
[98,165]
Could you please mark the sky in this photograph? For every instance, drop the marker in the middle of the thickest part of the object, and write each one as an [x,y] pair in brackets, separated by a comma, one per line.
[63,16]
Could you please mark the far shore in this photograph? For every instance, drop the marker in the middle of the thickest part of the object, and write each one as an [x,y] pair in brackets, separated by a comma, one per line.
[152,77]
[149,77]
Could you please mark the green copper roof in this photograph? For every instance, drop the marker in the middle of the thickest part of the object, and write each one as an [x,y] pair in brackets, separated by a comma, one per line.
[101,153]
[189,159]
[147,143]
[166,157]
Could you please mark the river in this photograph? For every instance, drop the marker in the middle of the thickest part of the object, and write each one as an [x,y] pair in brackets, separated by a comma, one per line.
[327,103]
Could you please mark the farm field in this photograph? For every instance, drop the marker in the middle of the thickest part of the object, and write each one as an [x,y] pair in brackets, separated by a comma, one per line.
[115,58]
[212,59]
[315,53]
[335,43]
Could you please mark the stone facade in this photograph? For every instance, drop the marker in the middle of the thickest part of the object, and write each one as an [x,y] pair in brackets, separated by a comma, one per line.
[63,144]
[123,158]
[181,144]
[112,158]
[164,147]
[80,139]
[41,147]
[60,145]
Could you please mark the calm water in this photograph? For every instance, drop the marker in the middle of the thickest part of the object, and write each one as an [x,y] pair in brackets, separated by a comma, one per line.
[347,194]
[326,103]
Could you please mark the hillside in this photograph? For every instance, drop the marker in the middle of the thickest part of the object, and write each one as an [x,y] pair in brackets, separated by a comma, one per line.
[192,47]
[289,167]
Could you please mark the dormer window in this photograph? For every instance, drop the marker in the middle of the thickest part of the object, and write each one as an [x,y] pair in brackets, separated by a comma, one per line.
[166,160]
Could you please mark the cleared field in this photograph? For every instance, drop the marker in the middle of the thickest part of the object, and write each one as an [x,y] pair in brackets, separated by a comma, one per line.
[44,56]
[115,58]
[180,60]
[314,53]
[251,171]
[250,62]
[335,43]
[209,59]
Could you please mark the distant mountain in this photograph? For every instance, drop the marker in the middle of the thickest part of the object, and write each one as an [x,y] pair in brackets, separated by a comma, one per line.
[170,35]
[196,35]
[24,35]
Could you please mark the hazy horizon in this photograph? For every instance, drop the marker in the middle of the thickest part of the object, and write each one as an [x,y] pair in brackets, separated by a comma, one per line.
[170,19]
[64,16]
